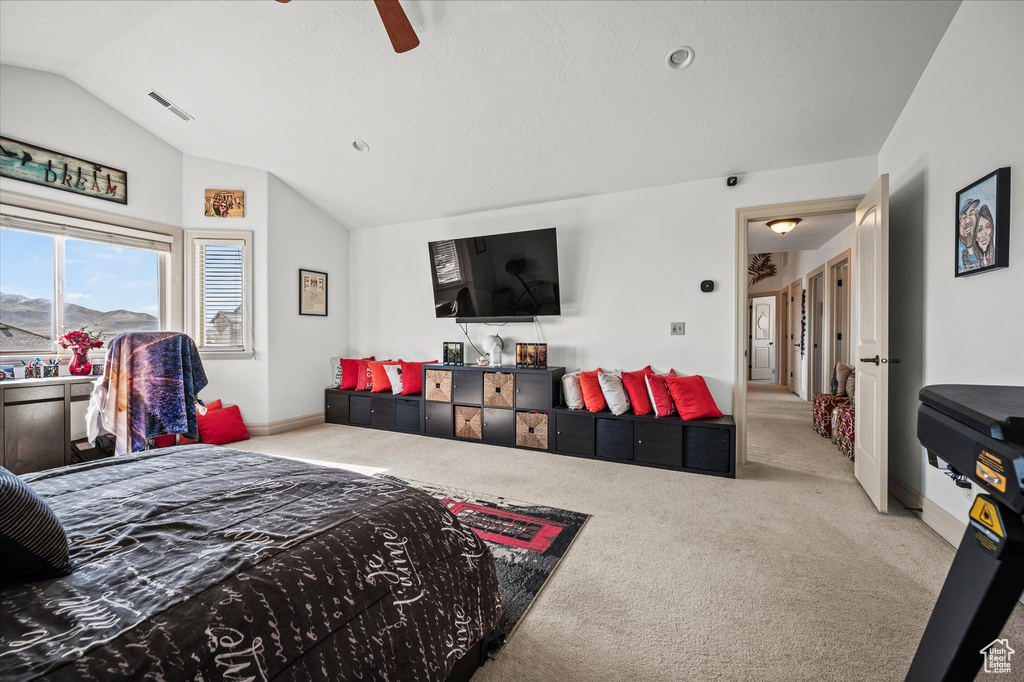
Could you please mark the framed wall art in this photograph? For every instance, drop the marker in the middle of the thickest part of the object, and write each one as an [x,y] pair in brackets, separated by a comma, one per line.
[224,203]
[982,231]
[312,293]
[41,166]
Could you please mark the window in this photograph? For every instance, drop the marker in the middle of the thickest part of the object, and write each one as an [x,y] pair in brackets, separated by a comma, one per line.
[447,269]
[55,278]
[219,291]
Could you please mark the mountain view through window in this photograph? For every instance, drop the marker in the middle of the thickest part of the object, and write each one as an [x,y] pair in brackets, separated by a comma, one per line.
[107,288]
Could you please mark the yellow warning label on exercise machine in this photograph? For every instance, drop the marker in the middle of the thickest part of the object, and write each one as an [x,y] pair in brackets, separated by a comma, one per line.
[989,469]
[985,513]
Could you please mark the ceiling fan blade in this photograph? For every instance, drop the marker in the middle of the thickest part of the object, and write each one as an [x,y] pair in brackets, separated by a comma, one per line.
[403,37]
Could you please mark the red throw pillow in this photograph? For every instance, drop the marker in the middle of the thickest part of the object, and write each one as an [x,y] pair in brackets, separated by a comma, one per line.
[657,392]
[164,441]
[214,405]
[186,441]
[380,383]
[593,396]
[350,372]
[223,426]
[364,379]
[636,389]
[412,377]
[692,397]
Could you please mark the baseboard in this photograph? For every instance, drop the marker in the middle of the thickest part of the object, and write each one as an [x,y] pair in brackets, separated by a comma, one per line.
[935,517]
[283,425]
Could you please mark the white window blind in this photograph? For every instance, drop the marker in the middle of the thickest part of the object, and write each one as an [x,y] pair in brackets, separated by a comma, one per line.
[219,272]
[446,263]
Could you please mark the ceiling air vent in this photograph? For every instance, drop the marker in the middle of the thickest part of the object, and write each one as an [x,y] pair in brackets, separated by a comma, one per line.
[167,104]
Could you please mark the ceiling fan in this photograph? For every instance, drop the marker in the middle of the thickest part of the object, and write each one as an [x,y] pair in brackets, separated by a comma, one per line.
[403,37]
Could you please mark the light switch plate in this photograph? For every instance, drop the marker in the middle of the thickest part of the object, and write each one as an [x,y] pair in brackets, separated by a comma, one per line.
[678,328]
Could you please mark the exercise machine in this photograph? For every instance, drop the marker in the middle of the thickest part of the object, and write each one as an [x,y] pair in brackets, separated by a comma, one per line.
[979,432]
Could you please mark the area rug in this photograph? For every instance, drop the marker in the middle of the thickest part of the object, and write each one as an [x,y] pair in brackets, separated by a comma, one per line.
[527,540]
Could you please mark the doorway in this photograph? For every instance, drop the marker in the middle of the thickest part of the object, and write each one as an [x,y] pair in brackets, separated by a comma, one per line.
[816,330]
[839,295]
[763,338]
[795,344]
[744,217]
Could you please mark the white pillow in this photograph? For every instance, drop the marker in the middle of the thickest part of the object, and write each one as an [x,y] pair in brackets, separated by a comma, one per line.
[614,392]
[572,391]
[394,373]
[335,373]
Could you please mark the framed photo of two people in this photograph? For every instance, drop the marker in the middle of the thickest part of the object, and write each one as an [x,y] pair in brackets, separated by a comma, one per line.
[983,224]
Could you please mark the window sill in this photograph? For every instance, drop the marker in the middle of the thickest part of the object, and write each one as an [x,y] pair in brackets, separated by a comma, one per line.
[227,354]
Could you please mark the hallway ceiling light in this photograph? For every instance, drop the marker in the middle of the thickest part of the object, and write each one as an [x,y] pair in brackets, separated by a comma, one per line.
[783,226]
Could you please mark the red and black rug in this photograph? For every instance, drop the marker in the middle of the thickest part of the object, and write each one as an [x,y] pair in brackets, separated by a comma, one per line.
[527,540]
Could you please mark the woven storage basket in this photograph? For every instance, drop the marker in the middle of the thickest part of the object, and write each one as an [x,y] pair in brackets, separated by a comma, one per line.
[532,429]
[437,386]
[467,422]
[499,389]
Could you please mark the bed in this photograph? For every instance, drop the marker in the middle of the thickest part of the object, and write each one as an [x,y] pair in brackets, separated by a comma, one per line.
[204,563]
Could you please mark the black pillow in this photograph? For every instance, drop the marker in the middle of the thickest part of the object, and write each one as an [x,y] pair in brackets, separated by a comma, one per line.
[834,384]
[32,541]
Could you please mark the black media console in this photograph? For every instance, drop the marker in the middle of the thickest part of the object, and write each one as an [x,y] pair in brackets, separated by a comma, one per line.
[517,407]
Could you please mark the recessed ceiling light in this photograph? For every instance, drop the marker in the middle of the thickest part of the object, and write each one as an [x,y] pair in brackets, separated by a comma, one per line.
[360,146]
[679,58]
[783,226]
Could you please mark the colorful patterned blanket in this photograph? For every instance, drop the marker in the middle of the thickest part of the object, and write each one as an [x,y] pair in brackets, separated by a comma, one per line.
[149,388]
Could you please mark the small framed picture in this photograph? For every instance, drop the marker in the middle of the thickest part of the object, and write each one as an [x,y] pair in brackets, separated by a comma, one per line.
[312,293]
[224,203]
[983,224]
[452,353]
[6,372]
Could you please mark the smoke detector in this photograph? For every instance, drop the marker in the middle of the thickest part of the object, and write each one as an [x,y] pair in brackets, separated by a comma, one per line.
[679,58]
[173,108]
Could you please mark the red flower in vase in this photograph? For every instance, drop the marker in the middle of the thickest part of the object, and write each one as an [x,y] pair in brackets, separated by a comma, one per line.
[80,340]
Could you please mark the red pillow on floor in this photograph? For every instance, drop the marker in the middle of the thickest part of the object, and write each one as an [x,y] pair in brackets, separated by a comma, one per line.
[214,405]
[593,396]
[657,392]
[636,389]
[164,441]
[412,377]
[186,441]
[350,372]
[223,426]
[380,382]
[692,397]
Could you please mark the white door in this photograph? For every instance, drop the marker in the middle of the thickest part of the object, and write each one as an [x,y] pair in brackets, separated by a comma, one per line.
[871,459]
[796,292]
[762,338]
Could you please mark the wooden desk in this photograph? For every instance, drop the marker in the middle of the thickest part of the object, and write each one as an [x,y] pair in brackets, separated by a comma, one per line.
[35,421]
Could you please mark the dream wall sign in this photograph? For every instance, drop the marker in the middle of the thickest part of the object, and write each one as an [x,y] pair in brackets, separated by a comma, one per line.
[41,166]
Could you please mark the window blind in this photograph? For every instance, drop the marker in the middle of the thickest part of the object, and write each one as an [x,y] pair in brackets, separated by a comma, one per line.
[446,263]
[90,231]
[219,271]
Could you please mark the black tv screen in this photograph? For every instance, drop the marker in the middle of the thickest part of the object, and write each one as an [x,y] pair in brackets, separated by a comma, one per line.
[511,275]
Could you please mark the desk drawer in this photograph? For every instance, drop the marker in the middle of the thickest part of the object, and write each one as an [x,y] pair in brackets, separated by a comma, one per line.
[33,393]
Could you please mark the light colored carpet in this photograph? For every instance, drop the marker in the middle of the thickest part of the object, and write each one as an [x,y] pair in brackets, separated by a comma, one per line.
[787,573]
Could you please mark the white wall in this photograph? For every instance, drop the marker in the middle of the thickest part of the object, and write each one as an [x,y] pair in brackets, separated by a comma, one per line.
[50,111]
[947,330]
[303,236]
[630,263]
[237,381]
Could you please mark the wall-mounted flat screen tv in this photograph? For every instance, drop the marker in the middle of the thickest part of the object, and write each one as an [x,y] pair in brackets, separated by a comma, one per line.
[509,276]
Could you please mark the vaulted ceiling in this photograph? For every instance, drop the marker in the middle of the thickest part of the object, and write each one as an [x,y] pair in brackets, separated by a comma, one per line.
[503,103]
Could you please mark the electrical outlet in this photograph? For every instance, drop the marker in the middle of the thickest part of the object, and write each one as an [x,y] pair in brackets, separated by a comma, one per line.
[678,328]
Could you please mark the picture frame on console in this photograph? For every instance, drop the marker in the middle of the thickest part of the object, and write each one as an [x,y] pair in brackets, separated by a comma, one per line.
[532,355]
